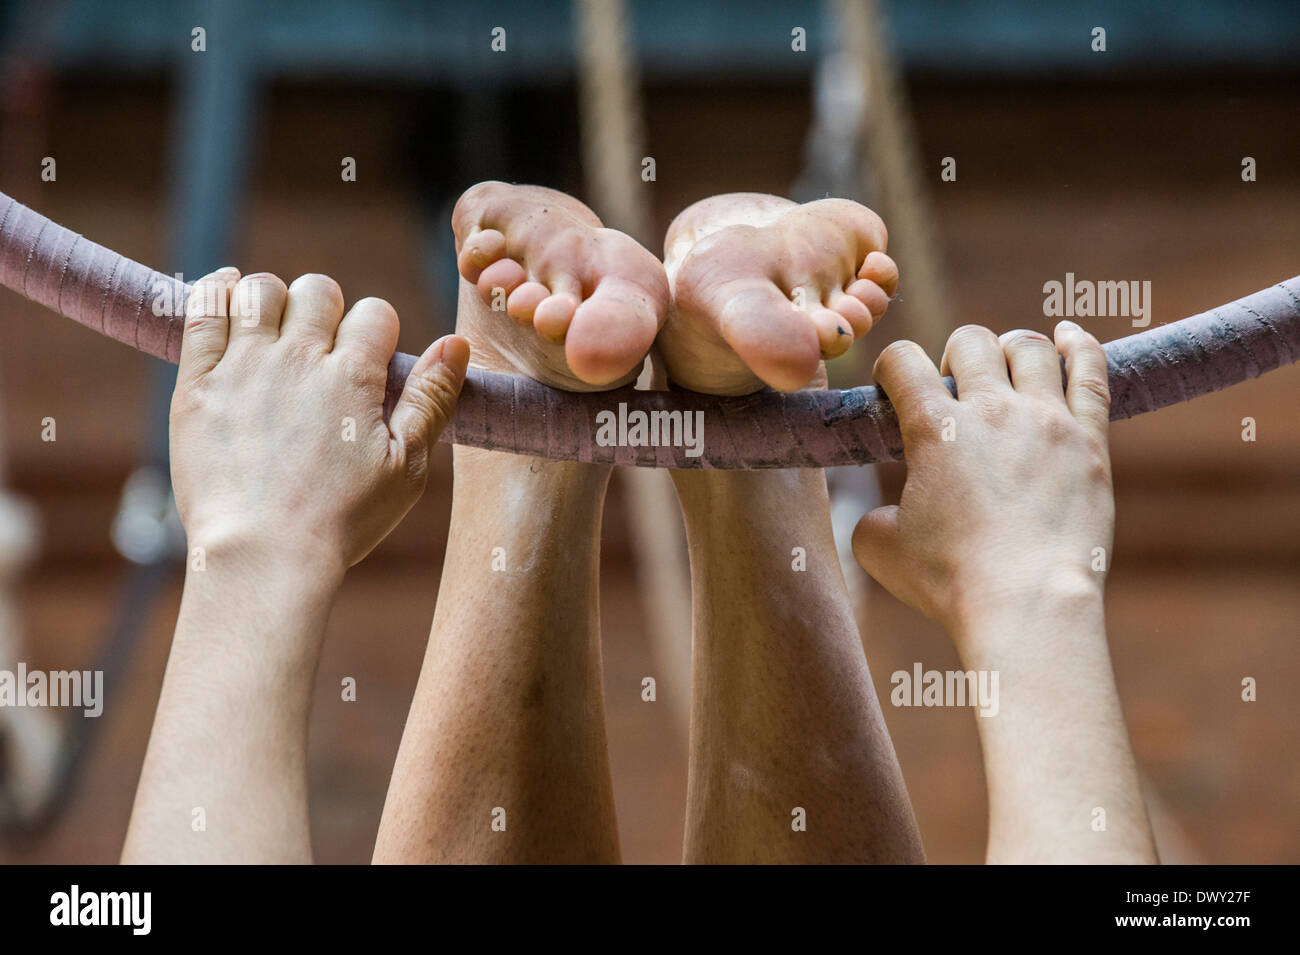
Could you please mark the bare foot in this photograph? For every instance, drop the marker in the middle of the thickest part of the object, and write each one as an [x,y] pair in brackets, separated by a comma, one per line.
[765,289]
[585,302]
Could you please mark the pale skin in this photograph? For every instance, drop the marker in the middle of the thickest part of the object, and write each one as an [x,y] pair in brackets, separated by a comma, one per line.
[277,504]
[1002,536]
[508,713]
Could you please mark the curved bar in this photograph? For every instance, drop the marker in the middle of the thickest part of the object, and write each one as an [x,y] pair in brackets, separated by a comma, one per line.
[1161,366]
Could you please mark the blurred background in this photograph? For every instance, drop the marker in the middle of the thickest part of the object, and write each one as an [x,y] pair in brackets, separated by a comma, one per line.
[1122,163]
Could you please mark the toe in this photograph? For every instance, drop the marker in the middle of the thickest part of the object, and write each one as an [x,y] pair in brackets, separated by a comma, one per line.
[881,269]
[776,340]
[853,311]
[611,333]
[834,334]
[871,295]
[498,280]
[480,250]
[553,315]
[523,301]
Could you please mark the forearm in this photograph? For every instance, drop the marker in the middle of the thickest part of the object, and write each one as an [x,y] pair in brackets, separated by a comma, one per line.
[225,775]
[1063,783]
[781,685]
[507,724]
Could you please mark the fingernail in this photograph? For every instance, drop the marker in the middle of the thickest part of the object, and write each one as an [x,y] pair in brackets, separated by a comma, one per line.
[453,353]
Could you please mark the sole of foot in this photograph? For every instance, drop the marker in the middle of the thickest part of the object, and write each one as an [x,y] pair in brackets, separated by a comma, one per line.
[550,293]
[764,290]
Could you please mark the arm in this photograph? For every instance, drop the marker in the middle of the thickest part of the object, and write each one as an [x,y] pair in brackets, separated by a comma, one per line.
[1006,511]
[286,474]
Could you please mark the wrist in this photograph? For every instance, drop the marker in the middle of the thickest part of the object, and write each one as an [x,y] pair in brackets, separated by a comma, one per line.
[266,557]
[991,620]
[254,599]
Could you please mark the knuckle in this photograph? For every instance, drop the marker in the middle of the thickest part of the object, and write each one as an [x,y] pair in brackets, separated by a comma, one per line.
[1098,457]
[925,422]
[443,395]
[318,283]
[362,375]
[372,303]
[376,311]
[1098,471]
[994,407]
[1094,385]
[968,333]
[1026,338]
[266,279]
[1058,427]
[256,296]
[209,299]
[198,322]
[187,401]
[896,351]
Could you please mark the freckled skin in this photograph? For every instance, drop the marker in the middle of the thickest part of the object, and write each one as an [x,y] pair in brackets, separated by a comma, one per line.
[784,713]
[509,707]
[509,710]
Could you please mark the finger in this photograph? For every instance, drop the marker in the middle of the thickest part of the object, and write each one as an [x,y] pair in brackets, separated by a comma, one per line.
[207,323]
[1033,363]
[428,402]
[314,310]
[875,544]
[1087,390]
[974,358]
[913,385]
[369,331]
[257,306]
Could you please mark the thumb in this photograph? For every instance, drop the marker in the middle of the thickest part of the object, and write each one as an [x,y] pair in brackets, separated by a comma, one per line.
[429,399]
[875,543]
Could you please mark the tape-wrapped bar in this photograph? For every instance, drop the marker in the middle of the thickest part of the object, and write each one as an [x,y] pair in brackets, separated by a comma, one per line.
[1161,366]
